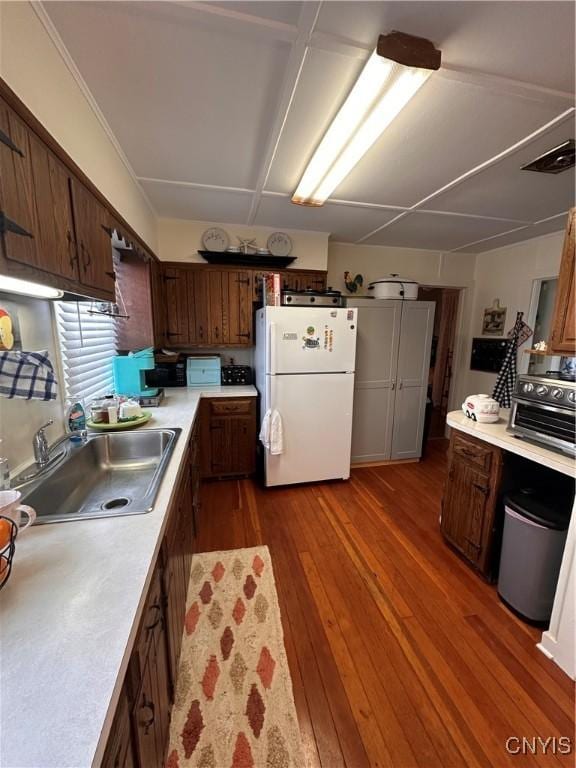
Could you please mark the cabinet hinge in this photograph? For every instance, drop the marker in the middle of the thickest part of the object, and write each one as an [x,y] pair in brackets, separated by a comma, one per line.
[7,225]
[5,139]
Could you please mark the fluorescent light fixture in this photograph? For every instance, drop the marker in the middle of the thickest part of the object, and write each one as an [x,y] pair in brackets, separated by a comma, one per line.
[27,288]
[380,93]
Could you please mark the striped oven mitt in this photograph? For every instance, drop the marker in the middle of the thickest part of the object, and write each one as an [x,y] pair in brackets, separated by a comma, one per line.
[27,376]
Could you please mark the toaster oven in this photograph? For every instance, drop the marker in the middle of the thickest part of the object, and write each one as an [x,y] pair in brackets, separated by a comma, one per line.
[544,411]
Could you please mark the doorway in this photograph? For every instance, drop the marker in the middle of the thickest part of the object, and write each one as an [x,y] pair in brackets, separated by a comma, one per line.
[441,371]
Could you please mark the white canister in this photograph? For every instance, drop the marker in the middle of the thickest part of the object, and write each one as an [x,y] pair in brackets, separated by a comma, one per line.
[394,287]
[130,409]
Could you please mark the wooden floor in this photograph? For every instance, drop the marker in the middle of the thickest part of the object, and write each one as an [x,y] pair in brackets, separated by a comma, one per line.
[400,655]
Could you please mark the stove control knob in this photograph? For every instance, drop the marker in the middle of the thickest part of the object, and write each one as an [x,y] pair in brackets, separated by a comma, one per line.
[541,390]
[572,396]
[557,393]
[527,387]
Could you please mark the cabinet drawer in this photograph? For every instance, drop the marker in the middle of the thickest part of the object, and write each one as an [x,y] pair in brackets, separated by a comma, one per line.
[473,451]
[223,407]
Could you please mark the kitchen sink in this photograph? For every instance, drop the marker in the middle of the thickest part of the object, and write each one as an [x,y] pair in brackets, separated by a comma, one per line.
[112,474]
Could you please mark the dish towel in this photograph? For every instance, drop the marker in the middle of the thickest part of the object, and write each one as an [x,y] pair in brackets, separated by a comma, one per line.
[272,432]
[506,381]
[27,376]
[276,434]
[265,430]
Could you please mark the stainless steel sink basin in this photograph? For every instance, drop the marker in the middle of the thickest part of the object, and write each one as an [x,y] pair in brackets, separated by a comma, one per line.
[112,474]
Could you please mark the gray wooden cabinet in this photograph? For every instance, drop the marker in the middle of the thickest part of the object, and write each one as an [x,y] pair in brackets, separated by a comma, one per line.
[392,364]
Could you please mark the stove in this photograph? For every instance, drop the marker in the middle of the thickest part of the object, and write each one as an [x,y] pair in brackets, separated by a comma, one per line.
[544,410]
[308,298]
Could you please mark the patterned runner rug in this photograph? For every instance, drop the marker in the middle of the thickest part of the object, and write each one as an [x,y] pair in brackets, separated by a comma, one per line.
[234,706]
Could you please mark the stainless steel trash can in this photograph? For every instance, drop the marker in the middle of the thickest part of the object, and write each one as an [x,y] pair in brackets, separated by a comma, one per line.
[535,529]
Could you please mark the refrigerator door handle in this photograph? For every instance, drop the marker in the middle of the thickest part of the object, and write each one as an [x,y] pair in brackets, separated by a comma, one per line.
[273,348]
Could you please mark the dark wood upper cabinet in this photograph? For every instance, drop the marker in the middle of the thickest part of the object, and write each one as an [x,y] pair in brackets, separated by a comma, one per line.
[240,308]
[140,291]
[198,316]
[56,244]
[214,307]
[563,336]
[92,228]
[176,299]
[17,190]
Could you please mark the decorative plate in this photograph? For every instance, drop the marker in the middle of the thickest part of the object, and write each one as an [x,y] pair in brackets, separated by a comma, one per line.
[215,239]
[130,424]
[279,244]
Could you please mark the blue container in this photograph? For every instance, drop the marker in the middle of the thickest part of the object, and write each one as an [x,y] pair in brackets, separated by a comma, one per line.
[203,371]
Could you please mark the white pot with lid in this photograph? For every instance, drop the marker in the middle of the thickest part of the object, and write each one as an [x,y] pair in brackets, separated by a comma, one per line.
[394,287]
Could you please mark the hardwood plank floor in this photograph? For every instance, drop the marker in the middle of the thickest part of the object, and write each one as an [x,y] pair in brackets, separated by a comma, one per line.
[400,655]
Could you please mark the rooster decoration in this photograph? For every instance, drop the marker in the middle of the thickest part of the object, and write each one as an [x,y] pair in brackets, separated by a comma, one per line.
[353,283]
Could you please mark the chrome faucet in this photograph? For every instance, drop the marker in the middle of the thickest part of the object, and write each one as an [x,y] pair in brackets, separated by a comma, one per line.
[40,446]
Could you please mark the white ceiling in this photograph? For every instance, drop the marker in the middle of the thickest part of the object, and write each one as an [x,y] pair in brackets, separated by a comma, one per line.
[218,107]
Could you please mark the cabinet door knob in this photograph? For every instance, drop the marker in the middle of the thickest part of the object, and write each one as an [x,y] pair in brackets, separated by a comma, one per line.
[157,619]
[147,724]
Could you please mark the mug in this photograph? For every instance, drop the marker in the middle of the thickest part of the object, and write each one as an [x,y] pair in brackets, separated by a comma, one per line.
[9,507]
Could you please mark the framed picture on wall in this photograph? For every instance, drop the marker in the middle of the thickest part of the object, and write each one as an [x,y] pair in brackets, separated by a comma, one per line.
[494,320]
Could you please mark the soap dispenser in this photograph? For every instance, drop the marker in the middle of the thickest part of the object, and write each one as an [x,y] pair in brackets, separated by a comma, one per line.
[4,474]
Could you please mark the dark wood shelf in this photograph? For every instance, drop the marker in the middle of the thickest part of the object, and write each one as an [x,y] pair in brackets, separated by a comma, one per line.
[254,260]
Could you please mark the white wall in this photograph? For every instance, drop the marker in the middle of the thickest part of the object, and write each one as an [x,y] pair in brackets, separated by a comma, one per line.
[19,419]
[180,239]
[559,641]
[34,68]
[428,268]
[508,274]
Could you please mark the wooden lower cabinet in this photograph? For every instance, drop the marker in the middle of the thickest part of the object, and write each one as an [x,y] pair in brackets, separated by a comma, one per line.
[470,500]
[227,436]
[140,729]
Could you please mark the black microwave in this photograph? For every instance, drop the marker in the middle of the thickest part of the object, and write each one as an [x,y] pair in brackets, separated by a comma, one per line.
[167,375]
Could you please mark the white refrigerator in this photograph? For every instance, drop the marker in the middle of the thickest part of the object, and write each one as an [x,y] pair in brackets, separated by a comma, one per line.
[305,370]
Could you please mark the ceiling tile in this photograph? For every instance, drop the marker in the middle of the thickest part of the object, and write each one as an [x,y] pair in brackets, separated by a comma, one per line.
[436,231]
[345,223]
[526,233]
[186,101]
[529,41]
[505,190]
[179,202]
[325,81]
[448,128]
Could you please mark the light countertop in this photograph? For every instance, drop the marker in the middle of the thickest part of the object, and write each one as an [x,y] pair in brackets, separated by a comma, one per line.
[497,434]
[69,615]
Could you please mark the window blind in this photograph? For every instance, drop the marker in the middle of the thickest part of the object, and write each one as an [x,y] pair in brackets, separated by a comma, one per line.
[87,346]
